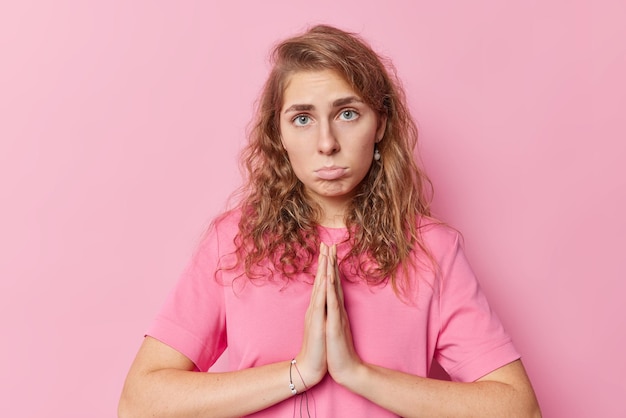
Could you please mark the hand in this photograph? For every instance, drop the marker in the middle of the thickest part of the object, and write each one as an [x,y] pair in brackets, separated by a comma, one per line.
[312,356]
[342,359]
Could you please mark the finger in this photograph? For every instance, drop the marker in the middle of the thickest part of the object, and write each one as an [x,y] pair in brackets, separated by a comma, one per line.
[331,294]
[336,275]
[331,287]
[321,268]
[321,274]
[321,265]
[330,271]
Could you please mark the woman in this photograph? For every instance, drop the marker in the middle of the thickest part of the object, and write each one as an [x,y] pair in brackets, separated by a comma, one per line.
[330,284]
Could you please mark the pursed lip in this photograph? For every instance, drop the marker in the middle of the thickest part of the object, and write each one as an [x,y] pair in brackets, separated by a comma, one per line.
[332,172]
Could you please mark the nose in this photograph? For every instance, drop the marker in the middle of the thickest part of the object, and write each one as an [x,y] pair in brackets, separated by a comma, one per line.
[327,142]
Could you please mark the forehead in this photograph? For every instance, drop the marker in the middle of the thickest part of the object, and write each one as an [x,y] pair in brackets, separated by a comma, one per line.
[307,87]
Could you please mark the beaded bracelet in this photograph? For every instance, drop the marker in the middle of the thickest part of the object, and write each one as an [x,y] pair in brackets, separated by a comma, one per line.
[292,387]
[299,374]
[304,401]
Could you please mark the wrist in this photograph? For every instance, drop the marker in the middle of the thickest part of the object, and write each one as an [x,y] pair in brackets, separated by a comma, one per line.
[300,378]
[354,377]
[310,372]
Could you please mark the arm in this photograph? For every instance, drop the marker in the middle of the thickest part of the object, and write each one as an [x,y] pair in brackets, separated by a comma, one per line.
[161,382]
[503,392]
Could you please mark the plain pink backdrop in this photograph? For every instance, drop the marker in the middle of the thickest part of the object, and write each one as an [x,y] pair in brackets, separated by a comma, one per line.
[120,125]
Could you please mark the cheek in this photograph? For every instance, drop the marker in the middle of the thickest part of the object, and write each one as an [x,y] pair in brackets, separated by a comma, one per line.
[296,160]
[366,164]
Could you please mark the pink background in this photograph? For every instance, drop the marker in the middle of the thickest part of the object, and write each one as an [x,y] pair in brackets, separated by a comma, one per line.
[120,124]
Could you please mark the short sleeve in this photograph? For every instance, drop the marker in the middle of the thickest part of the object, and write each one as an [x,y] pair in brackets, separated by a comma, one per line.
[472,341]
[192,320]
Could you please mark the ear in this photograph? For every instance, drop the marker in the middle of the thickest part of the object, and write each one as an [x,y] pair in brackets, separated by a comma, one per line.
[382,126]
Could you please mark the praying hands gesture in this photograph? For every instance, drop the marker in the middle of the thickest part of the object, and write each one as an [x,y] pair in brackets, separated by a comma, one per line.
[327,346]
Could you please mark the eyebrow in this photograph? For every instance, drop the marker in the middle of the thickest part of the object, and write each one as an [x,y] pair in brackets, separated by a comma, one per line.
[346,100]
[337,103]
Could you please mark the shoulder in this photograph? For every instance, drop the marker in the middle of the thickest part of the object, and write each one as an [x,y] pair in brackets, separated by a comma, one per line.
[438,237]
[219,236]
[227,222]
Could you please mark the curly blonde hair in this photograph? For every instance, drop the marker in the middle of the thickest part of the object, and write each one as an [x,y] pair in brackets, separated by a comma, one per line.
[278,221]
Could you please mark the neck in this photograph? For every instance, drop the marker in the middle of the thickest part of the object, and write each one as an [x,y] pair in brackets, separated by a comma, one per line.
[333,213]
[333,222]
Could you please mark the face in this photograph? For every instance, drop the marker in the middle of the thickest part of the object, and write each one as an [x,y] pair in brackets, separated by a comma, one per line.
[329,135]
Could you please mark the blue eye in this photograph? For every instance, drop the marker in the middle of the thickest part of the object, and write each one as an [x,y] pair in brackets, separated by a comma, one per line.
[301,120]
[349,115]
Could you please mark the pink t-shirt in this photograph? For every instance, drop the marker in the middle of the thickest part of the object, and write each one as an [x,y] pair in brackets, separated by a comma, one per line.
[448,318]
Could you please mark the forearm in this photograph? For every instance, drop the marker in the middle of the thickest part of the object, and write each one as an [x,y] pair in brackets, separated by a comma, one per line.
[411,396]
[180,393]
